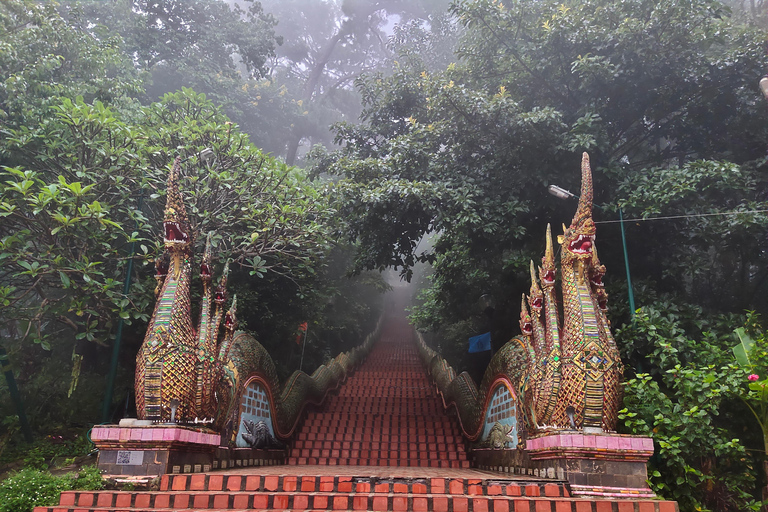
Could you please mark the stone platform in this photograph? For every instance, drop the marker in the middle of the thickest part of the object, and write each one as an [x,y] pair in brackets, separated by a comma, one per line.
[599,464]
[153,450]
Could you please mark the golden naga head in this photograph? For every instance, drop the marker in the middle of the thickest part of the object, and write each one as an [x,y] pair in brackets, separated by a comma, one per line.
[579,239]
[525,319]
[176,229]
[230,318]
[220,294]
[206,270]
[547,272]
[596,274]
[535,296]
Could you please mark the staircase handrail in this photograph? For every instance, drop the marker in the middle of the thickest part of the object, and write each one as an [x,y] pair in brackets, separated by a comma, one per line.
[460,391]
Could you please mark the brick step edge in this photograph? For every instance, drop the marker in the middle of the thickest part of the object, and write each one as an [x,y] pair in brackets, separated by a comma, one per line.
[422,463]
[278,500]
[386,460]
[438,504]
[346,484]
[314,455]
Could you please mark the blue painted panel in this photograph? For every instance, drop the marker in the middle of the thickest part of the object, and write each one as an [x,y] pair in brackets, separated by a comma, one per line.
[502,408]
[254,407]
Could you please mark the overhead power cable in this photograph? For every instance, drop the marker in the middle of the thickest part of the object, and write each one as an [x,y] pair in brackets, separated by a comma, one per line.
[671,217]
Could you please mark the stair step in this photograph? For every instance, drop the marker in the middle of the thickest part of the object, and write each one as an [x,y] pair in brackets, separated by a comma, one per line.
[313,461]
[215,482]
[275,500]
[373,502]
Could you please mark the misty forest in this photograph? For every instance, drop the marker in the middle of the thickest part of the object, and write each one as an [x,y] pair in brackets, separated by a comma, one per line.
[336,149]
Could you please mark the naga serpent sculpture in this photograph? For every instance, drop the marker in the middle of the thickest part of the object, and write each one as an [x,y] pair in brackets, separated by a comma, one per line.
[556,374]
[228,380]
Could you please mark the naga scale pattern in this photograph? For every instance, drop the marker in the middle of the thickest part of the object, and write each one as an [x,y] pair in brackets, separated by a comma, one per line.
[198,371]
[566,361]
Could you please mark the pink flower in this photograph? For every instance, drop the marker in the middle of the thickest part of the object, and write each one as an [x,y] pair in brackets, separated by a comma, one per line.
[753,377]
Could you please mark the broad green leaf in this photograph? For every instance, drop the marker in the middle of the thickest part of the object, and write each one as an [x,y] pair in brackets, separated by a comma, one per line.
[741,351]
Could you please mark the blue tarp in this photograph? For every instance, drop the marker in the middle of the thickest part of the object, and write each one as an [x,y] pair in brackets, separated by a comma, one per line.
[480,343]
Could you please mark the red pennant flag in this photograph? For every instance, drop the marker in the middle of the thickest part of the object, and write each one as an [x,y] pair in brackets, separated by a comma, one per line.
[302,329]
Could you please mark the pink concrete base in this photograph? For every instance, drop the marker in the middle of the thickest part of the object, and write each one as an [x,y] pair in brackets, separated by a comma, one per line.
[152,436]
[592,443]
[603,464]
[137,451]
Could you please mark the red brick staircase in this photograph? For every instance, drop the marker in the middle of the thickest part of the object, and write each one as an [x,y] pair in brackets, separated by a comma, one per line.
[383,443]
[386,414]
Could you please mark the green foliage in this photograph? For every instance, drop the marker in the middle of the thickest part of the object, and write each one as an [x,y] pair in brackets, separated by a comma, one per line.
[43,452]
[467,152]
[72,209]
[69,214]
[709,251]
[703,439]
[43,57]
[661,94]
[329,44]
[29,488]
[752,356]
[88,478]
[744,348]
[217,48]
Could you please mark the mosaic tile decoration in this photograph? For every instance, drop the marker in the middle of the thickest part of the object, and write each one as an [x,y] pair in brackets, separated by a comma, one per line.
[254,407]
[502,408]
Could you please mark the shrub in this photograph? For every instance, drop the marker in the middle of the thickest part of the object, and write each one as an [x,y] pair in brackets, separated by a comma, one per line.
[29,488]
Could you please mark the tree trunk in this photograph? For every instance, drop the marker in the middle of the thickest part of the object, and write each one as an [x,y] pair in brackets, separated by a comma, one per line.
[309,89]
[765,487]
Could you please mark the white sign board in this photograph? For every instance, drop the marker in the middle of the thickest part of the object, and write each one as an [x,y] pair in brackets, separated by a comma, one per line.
[130,458]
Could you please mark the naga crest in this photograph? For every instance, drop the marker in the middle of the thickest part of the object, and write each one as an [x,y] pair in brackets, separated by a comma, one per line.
[175,224]
[576,366]
[525,319]
[579,238]
[535,295]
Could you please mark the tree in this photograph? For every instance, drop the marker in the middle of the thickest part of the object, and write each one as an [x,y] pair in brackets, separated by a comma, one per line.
[44,57]
[203,44]
[327,46]
[707,444]
[468,152]
[220,50]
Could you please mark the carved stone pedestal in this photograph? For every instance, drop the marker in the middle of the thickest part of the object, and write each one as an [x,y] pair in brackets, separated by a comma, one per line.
[154,449]
[600,464]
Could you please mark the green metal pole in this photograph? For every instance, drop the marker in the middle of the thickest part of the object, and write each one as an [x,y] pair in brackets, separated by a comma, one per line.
[107,406]
[15,396]
[626,265]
